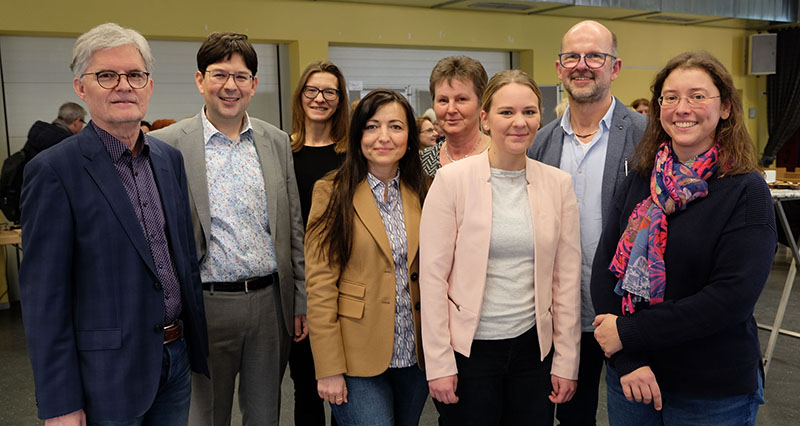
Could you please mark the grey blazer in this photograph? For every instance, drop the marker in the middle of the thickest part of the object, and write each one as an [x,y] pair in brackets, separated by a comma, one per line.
[627,128]
[283,201]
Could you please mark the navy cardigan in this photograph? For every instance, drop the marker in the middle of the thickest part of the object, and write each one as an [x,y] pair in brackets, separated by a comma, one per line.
[702,340]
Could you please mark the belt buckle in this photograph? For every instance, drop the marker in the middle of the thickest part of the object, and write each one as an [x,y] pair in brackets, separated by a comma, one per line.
[247,286]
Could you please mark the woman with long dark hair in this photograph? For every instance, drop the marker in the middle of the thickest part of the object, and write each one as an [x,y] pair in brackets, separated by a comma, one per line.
[683,259]
[361,270]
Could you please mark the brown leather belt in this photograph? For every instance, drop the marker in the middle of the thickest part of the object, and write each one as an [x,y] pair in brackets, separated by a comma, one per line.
[245,286]
[172,332]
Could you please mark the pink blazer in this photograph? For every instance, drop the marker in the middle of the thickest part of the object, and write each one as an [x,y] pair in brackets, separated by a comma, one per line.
[454,252]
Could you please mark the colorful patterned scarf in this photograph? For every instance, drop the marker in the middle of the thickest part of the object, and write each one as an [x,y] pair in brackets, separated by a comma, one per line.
[639,260]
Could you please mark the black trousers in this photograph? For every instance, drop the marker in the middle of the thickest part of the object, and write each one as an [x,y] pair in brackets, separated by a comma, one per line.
[582,408]
[309,408]
[502,383]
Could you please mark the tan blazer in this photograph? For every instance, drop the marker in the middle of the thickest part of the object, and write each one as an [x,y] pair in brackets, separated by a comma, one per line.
[454,252]
[351,312]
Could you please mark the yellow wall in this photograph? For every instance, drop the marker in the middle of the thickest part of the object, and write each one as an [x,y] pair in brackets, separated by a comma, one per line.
[309,27]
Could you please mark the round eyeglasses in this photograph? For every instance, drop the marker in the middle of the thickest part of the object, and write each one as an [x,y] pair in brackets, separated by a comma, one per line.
[111,79]
[593,60]
[241,79]
[694,100]
[311,92]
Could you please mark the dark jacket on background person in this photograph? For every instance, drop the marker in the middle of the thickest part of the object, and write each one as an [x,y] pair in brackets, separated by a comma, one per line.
[44,135]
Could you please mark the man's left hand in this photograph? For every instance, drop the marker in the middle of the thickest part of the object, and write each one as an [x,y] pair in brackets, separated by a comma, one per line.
[300,327]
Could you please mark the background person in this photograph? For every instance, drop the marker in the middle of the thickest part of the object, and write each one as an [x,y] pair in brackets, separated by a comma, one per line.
[500,273]
[319,140]
[641,105]
[362,253]
[684,258]
[427,132]
[456,86]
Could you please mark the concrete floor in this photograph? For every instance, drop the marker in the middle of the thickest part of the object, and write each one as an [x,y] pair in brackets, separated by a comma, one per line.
[782,391]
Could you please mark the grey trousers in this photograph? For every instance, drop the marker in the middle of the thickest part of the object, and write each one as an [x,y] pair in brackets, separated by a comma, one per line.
[247,337]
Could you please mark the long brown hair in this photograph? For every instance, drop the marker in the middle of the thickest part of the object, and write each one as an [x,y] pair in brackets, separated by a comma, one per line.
[737,154]
[339,118]
[335,225]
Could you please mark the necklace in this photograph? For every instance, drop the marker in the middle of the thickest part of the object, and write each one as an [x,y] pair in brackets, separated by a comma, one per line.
[586,135]
[447,152]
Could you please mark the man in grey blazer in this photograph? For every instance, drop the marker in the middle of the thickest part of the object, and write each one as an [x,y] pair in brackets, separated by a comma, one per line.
[249,235]
[594,141]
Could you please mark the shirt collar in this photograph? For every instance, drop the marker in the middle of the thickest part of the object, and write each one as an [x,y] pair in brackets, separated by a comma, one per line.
[209,131]
[605,121]
[116,149]
[375,182]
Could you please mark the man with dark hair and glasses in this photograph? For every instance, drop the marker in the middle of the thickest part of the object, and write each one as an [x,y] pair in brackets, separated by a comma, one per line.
[110,283]
[593,141]
[249,234]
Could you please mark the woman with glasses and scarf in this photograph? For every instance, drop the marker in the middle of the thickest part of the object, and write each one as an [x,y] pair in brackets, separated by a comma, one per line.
[683,259]
[319,140]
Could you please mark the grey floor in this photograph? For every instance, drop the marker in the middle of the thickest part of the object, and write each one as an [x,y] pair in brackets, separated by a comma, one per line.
[782,391]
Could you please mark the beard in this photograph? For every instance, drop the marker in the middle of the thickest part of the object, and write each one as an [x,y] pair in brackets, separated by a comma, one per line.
[588,95]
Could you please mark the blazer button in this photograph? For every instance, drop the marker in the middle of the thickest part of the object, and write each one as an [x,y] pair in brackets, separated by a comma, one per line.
[414,276]
[157,285]
[416,306]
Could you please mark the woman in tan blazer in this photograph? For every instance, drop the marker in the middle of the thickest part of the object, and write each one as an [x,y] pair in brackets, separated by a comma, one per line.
[362,270]
[500,273]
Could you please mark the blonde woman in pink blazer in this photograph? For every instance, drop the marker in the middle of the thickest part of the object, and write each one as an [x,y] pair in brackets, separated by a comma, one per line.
[500,273]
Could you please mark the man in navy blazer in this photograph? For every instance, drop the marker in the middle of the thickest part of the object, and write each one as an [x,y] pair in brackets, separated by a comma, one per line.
[593,141]
[111,295]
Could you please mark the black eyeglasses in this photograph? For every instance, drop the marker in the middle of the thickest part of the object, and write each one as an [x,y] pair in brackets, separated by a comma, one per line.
[221,77]
[111,79]
[593,60]
[311,92]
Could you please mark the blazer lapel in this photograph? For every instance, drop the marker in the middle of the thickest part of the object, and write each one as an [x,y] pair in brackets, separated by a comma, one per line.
[193,149]
[367,211]
[102,171]
[614,152]
[411,212]
[168,192]
[266,156]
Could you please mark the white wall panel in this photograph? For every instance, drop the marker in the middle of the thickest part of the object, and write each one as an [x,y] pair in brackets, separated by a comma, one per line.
[400,69]
[37,80]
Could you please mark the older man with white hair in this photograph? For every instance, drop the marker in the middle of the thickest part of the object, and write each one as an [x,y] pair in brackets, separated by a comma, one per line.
[111,295]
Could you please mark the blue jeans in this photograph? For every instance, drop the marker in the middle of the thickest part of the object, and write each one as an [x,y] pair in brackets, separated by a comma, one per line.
[394,397]
[171,406]
[682,410]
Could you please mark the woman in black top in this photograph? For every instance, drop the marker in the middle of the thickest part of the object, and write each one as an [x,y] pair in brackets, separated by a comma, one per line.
[319,141]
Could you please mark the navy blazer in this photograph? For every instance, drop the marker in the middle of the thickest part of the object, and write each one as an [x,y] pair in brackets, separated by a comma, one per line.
[627,128]
[92,303]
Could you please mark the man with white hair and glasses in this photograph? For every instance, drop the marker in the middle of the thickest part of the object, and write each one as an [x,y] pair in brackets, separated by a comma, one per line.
[593,141]
[111,295]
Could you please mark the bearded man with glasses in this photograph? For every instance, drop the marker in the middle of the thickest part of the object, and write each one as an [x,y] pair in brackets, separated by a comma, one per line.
[110,283]
[593,141]
[249,234]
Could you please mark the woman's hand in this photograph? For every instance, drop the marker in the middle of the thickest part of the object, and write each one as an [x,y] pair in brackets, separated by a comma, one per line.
[563,389]
[640,385]
[443,389]
[333,389]
[606,334]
